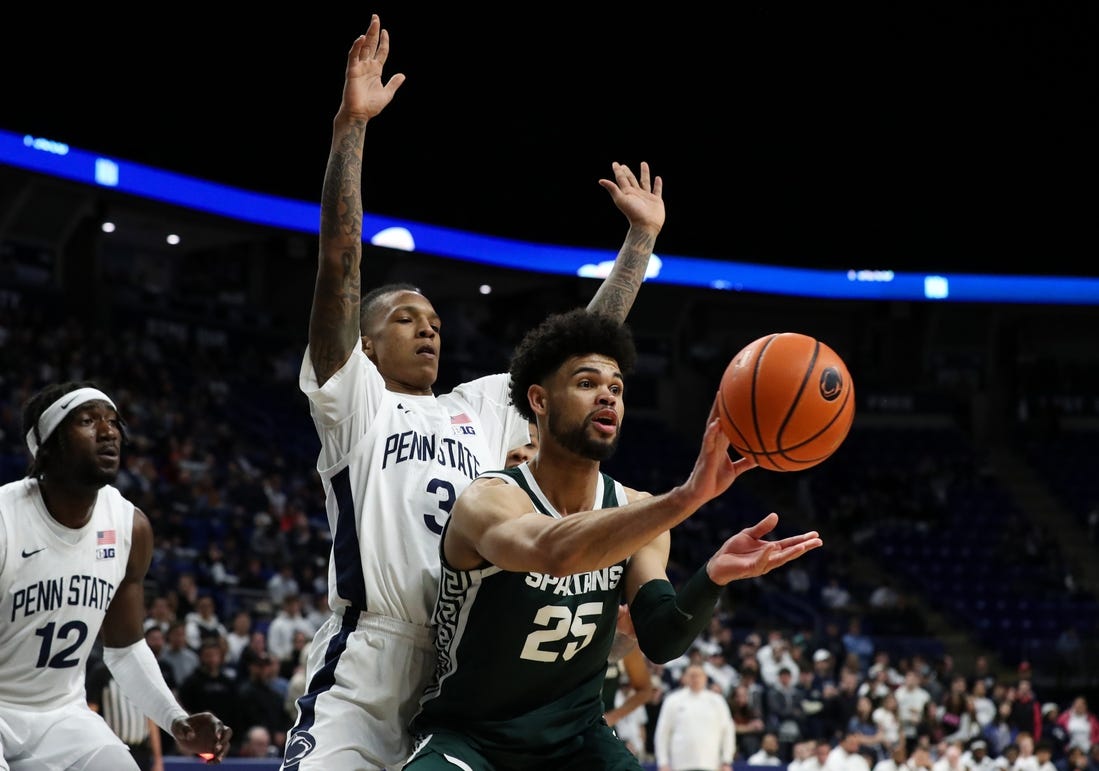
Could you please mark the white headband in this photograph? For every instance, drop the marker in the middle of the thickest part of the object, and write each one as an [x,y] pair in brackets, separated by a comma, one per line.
[58,411]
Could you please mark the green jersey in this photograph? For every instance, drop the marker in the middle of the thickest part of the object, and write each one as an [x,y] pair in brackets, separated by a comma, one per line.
[522,656]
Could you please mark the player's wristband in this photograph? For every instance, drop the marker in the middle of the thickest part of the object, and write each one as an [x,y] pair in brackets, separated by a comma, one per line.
[667,623]
[139,676]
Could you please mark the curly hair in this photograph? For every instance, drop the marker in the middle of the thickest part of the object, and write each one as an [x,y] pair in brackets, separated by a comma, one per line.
[559,337]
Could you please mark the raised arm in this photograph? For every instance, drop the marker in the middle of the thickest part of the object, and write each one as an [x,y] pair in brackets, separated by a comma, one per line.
[642,202]
[334,321]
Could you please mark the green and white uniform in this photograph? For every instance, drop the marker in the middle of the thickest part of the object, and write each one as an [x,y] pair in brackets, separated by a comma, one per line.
[521,662]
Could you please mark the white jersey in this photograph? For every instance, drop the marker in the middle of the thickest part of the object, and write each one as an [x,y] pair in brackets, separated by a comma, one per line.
[392,466]
[55,586]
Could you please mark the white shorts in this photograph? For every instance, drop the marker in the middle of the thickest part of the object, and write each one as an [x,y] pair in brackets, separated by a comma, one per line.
[363,685]
[53,739]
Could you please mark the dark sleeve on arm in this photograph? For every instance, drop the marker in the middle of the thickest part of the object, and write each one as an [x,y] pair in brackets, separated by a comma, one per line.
[667,622]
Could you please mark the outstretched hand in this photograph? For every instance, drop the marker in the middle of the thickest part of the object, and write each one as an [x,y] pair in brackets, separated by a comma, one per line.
[203,734]
[639,199]
[364,94]
[747,555]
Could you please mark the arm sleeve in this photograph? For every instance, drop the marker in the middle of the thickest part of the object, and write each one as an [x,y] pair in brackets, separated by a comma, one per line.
[667,622]
[139,676]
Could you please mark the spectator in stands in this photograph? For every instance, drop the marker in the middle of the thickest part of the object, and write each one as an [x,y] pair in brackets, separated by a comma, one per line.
[859,644]
[883,663]
[236,639]
[846,755]
[282,584]
[255,649]
[784,713]
[888,721]
[720,672]
[774,656]
[976,758]
[876,685]
[811,701]
[747,720]
[261,703]
[896,760]
[950,759]
[257,744]
[1075,760]
[1080,724]
[289,664]
[177,655]
[824,668]
[999,734]
[160,614]
[1026,760]
[1052,732]
[280,633]
[1043,751]
[862,724]
[767,754]
[184,595]
[805,757]
[958,714]
[209,687]
[1026,710]
[984,708]
[694,729]
[912,700]
[203,623]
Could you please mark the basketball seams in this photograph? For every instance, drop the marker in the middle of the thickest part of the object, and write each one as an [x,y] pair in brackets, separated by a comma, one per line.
[779,448]
[757,365]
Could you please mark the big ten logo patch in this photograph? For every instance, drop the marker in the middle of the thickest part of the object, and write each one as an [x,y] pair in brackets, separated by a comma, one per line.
[105,553]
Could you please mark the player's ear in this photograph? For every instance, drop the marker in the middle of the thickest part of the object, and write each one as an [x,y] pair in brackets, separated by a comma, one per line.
[536,395]
[368,346]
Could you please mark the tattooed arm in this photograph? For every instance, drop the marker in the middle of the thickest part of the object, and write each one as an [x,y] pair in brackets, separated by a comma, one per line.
[334,321]
[642,203]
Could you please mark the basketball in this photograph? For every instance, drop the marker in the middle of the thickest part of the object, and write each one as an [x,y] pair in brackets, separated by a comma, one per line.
[786,400]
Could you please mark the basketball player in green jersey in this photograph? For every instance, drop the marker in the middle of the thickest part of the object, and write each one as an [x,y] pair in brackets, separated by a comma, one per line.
[536,560]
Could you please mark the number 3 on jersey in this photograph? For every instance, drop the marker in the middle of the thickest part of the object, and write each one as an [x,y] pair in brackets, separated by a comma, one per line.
[444,492]
[561,623]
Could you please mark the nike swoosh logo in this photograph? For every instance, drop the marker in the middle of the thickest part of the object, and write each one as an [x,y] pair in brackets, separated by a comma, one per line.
[65,406]
[32,553]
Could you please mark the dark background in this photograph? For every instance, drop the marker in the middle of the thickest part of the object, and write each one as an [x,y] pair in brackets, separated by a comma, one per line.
[958,136]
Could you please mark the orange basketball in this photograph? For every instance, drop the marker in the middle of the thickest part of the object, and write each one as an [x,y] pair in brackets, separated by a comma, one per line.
[786,400]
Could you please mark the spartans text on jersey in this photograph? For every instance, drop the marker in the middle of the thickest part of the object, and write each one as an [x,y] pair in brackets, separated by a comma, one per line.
[578,583]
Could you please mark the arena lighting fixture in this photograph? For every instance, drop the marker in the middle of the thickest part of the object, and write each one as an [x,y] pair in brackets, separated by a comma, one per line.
[58,159]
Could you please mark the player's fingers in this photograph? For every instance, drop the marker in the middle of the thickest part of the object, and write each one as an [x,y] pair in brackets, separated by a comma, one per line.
[646,182]
[625,174]
[764,526]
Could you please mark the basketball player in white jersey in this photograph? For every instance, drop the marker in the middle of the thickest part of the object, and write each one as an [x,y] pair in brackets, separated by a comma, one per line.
[73,558]
[394,456]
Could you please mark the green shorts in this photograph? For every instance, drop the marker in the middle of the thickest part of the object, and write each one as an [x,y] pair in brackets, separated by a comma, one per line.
[600,750]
